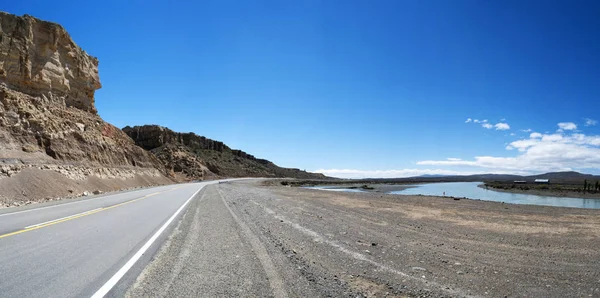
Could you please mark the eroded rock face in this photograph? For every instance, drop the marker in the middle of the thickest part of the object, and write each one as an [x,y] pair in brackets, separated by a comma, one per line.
[49,128]
[31,129]
[197,157]
[153,136]
[40,59]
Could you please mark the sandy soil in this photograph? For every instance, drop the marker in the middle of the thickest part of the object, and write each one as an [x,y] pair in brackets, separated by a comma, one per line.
[32,186]
[382,245]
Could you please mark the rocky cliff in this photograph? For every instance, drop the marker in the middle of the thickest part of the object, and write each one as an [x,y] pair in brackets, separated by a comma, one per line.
[52,142]
[40,59]
[196,157]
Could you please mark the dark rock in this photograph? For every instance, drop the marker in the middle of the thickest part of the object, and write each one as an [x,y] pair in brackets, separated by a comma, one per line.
[198,157]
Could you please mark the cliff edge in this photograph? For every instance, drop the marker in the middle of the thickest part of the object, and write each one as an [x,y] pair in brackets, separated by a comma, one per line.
[40,59]
[52,141]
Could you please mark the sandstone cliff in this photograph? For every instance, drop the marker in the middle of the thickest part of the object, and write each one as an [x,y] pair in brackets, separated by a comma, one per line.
[197,157]
[52,142]
[40,59]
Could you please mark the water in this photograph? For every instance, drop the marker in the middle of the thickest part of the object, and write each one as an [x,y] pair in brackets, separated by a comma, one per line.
[472,191]
[335,188]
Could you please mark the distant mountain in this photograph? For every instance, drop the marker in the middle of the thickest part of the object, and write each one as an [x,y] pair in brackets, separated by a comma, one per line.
[483,177]
[562,175]
[566,177]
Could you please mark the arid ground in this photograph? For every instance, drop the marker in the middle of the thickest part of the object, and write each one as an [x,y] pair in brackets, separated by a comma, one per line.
[324,243]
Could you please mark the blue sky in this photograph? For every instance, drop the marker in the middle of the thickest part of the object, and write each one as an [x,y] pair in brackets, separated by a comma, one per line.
[354,88]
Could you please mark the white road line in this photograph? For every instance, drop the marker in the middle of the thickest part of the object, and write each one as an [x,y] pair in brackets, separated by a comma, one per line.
[46,222]
[115,278]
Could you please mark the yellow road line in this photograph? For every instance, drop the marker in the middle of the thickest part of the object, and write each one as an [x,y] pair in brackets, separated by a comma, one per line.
[58,219]
[74,217]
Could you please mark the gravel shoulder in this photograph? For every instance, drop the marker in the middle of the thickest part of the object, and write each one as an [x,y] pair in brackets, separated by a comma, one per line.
[373,245]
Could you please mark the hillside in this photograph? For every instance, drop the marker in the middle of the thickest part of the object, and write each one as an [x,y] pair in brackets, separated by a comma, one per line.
[52,141]
[189,156]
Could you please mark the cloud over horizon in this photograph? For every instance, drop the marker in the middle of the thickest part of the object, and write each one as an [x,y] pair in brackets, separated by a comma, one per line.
[402,173]
[540,153]
[567,149]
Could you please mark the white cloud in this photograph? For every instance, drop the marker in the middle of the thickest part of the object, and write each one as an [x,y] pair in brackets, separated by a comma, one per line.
[357,174]
[567,126]
[590,122]
[453,158]
[487,125]
[552,138]
[513,134]
[526,130]
[502,126]
[539,153]
[535,135]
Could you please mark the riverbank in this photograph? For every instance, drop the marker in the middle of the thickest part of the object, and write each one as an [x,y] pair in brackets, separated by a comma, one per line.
[381,244]
[340,185]
[559,193]
[377,188]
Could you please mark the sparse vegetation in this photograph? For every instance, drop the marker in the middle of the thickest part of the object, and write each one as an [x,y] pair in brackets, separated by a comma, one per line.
[563,188]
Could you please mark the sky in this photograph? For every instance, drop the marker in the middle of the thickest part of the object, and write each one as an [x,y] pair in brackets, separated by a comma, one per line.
[354,88]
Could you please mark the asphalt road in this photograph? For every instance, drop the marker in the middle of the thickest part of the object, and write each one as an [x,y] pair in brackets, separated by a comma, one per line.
[247,239]
[95,246]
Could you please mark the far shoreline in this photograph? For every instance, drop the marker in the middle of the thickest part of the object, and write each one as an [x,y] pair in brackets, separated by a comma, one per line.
[374,188]
[394,187]
[548,193]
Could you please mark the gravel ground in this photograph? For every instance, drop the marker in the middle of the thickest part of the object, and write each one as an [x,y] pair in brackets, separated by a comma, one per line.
[247,239]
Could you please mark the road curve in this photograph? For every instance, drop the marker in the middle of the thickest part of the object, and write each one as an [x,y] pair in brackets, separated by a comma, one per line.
[90,247]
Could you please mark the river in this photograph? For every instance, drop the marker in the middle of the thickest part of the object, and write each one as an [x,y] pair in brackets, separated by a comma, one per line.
[472,191]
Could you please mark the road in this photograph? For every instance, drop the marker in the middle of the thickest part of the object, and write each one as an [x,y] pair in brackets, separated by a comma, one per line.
[255,239]
[90,247]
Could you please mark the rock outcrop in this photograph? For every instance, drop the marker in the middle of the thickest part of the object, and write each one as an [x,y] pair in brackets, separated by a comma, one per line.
[197,157]
[48,121]
[40,59]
